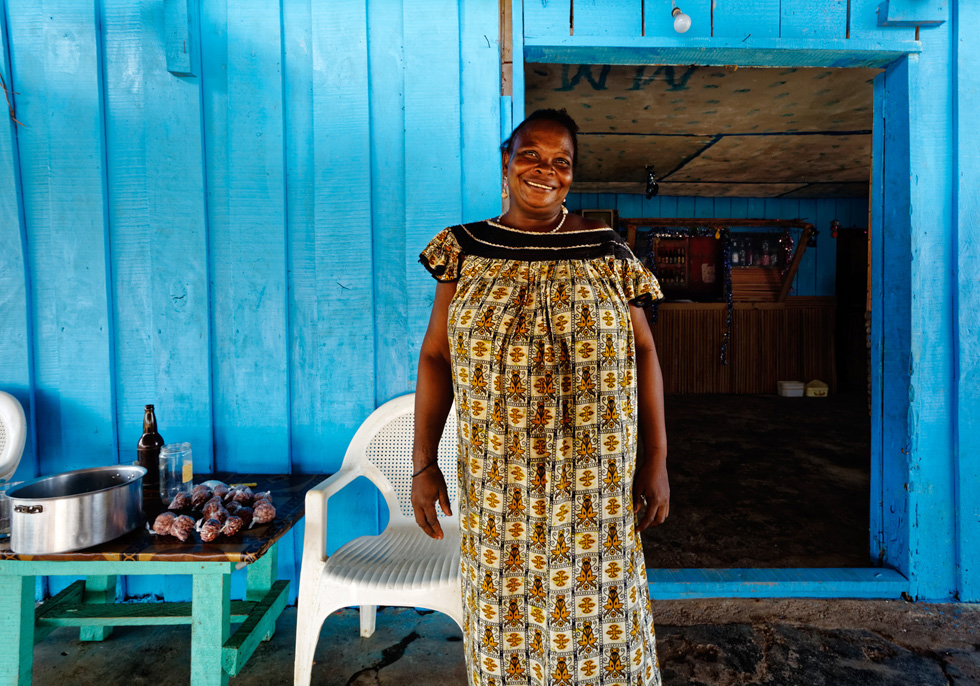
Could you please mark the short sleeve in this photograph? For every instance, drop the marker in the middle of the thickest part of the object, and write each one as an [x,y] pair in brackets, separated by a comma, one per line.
[641,287]
[443,256]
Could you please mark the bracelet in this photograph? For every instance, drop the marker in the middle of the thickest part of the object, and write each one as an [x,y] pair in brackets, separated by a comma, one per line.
[425,467]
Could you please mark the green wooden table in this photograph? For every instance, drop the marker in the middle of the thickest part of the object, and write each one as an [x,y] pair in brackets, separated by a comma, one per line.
[90,604]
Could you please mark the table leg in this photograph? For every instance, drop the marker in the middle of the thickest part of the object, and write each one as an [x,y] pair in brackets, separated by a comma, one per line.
[259,578]
[17,630]
[98,589]
[210,628]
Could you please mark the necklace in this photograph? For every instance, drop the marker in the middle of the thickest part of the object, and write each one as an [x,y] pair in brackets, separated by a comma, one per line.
[496,223]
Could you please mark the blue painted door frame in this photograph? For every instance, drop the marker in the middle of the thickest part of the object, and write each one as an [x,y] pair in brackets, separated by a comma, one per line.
[917,534]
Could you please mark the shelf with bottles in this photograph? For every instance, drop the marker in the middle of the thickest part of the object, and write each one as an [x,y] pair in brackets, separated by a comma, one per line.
[757,249]
[670,261]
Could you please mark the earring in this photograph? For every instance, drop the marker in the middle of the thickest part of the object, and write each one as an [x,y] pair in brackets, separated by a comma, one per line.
[503,192]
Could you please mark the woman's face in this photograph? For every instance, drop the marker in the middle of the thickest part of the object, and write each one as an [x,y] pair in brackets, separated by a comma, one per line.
[539,170]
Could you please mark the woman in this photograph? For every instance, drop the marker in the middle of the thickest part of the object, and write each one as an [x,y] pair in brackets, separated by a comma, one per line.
[552,365]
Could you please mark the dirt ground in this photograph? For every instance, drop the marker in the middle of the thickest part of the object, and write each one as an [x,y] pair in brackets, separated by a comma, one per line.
[765,481]
[700,643]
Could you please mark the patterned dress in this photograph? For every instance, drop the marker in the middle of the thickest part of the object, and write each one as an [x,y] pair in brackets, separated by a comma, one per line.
[544,375]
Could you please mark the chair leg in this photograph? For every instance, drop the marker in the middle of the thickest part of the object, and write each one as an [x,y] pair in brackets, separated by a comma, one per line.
[368,615]
[309,621]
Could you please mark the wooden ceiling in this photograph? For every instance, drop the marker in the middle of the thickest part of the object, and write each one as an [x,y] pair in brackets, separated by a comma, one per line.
[714,131]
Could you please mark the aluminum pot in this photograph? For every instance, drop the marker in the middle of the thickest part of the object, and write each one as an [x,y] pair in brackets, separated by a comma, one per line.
[75,510]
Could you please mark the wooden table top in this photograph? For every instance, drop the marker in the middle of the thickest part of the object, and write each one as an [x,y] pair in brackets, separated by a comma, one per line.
[289,498]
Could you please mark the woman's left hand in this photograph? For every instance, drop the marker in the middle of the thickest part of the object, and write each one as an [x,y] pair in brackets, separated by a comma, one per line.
[650,486]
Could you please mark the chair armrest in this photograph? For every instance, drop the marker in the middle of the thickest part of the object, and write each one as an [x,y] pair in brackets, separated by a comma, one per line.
[315,536]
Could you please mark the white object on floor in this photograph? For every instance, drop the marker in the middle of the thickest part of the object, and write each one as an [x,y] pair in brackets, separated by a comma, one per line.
[790,389]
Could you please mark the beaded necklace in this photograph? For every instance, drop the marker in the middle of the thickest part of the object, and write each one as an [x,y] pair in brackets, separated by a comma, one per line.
[496,223]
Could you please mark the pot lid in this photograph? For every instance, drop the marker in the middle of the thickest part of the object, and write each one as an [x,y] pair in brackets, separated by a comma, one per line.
[13,433]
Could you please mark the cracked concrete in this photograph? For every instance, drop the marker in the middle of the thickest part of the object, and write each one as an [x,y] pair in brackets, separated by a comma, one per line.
[721,642]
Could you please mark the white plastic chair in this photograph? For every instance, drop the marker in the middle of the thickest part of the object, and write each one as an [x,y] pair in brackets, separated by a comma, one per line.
[13,433]
[402,566]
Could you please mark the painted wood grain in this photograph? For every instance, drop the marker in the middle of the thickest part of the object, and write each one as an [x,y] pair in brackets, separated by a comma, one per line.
[480,169]
[344,235]
[601,18]
[813,19]
[544,18]
[897,422]
[16,340]
[242,71]
[518,50]
[307,442]
[932,535]
[879,519]
[747,19]
[967,297]
[57,52]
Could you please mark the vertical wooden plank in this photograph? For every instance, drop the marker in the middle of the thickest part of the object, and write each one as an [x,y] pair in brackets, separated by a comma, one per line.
[432,135]
[739,208]
[344,281]
[603,18]
[241,66]
[56,50]
[722,207]
[895,316]
[307,442]
[704,207]
[16,332]
[156,206]
[806,276]
[545,18]
[825,254]
[479,52]
[392,257]
[747,19]
[931,403]
[517,72]
[813,19]
[967,374]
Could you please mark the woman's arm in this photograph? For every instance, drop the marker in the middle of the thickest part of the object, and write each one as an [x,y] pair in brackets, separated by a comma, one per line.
[433,398]
[650,482]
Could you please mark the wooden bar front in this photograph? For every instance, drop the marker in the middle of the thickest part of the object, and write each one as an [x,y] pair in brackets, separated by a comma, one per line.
[770,342]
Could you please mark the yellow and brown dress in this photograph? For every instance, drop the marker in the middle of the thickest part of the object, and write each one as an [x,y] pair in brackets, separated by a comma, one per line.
[544,374]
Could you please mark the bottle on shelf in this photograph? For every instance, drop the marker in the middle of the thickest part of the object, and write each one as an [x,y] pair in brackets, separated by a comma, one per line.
[765,253]
[148,450]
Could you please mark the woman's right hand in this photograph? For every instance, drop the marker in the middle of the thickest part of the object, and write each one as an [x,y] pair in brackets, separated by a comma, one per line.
[428,488]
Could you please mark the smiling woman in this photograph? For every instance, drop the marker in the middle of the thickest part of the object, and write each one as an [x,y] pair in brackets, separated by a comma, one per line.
[538,332]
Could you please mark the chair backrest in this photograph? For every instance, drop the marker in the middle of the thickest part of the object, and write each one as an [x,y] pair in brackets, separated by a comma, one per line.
[13,434]
[385,441]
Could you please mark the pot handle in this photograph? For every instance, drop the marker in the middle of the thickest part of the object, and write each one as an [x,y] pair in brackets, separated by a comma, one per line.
[29,509]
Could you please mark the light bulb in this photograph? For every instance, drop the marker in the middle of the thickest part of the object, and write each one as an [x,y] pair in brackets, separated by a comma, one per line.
[682,22]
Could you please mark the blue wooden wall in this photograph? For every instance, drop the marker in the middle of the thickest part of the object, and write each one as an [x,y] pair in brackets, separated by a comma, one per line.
[217,207]
[818,268]
[234,239]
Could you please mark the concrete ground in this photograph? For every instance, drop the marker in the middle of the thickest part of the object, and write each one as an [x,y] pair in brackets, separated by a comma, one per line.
[701,643]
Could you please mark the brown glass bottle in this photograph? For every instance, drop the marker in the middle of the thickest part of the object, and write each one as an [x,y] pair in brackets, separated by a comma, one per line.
[148,450]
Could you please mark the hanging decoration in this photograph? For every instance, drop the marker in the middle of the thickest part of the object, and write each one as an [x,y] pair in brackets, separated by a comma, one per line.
[717,232]
[786,247]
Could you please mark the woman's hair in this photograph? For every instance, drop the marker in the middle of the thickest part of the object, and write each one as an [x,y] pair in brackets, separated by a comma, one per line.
[559,117]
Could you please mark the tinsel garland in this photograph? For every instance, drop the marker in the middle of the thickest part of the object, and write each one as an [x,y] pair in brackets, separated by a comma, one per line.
[722,234]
